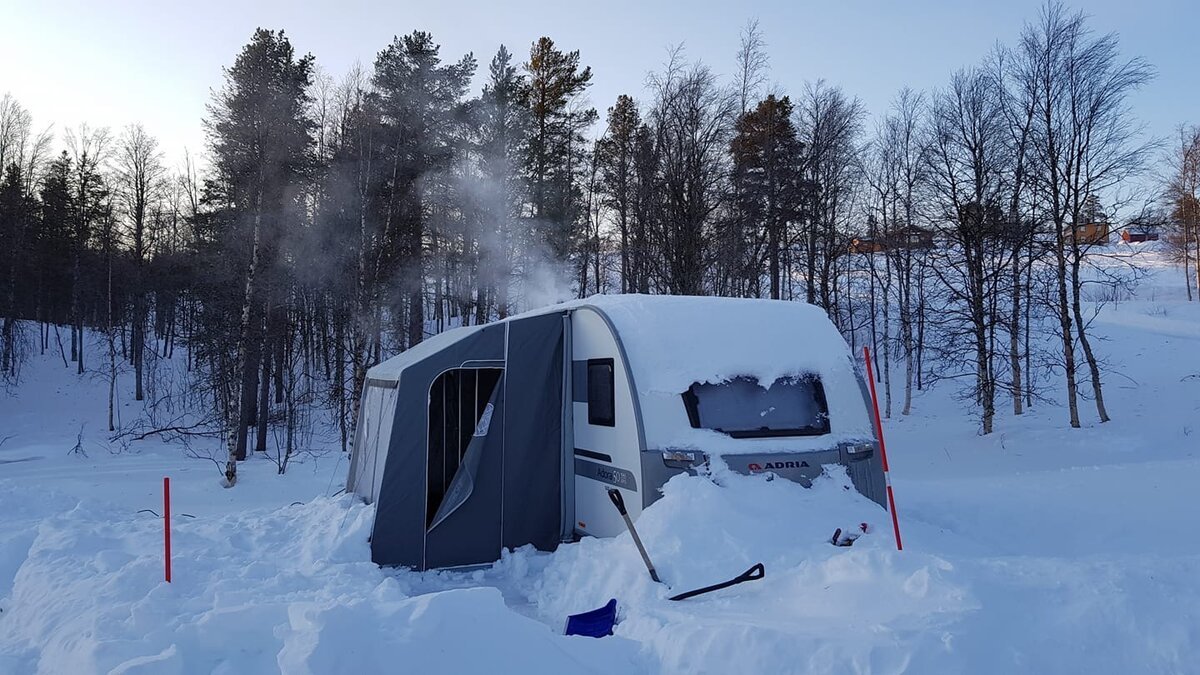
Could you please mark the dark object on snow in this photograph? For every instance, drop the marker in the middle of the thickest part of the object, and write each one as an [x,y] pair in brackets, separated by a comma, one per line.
[753,574]
[595,623]
[847,539]
[619,502]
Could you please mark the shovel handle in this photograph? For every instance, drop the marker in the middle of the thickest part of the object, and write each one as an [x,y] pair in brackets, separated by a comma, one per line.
[754,573]
[618,501]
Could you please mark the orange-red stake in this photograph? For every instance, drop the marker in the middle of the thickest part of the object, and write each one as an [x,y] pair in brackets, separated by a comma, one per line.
[167,524]
[887,479]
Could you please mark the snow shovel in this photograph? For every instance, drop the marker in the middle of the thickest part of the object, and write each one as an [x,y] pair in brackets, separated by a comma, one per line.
[596,623]
[753,574]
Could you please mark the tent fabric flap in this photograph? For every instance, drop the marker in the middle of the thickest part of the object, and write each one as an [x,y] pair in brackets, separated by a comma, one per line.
[532,426]
[464,529]
[463,483]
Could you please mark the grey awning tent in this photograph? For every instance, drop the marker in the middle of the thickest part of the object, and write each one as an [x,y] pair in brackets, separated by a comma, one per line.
[466,456]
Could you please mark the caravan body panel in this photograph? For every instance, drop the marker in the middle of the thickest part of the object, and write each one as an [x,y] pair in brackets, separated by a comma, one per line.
[607,446]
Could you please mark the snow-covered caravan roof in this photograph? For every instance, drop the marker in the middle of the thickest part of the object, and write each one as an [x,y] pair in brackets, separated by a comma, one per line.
[672,342]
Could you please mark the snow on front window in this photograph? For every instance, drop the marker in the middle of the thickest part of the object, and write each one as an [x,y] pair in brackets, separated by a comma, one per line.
[744,408]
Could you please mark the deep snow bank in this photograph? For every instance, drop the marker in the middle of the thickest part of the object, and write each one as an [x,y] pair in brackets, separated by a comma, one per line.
[290,590]
[819,609]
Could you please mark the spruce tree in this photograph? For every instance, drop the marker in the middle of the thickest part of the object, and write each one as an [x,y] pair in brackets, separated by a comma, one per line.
[767,162]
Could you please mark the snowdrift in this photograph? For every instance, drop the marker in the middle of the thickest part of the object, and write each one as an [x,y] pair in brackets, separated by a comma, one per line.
[819,609]
[292,590]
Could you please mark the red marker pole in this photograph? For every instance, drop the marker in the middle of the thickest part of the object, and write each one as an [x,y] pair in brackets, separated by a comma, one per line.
[887,479]
[167,524]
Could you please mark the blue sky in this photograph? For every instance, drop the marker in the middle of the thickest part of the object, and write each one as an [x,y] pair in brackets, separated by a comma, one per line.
[155,62]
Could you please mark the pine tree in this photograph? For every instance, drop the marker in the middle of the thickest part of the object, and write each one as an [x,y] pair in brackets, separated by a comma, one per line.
[53,242]
[555,150]
[617,154]
[261,141]
[17,210]
[503,124]
[421,102]
[90,194]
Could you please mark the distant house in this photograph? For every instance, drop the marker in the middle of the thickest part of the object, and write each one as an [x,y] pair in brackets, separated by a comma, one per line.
[1131,236]
[1137,231]
[1094,228]
[866,245]
[912,237]
[1091,233]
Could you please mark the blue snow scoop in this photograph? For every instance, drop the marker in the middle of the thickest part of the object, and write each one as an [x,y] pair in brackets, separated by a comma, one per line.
[596,623]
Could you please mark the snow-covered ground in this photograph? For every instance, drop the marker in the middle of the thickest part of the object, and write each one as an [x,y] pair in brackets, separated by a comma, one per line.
[1036,549]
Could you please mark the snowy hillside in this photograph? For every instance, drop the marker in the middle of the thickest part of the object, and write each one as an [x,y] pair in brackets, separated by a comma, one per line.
[1036,549]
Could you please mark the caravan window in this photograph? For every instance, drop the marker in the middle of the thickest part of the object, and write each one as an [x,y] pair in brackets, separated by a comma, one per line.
[601,395]
[743,408]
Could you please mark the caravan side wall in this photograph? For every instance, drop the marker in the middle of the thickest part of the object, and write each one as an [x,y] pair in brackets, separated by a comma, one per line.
[607,442]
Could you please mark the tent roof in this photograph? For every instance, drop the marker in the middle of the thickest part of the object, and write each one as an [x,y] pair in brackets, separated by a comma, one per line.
[390,369]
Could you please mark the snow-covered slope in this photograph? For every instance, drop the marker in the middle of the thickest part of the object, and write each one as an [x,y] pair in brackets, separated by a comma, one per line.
[1036,549]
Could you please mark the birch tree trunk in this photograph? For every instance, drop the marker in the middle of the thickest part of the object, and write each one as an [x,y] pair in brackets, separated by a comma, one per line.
[238,407]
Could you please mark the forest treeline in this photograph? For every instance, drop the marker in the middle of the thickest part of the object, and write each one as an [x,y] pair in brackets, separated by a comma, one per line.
[336,221]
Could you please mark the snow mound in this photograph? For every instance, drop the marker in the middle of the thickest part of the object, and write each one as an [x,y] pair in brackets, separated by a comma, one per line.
[457,631]
[809,613]
[290,590]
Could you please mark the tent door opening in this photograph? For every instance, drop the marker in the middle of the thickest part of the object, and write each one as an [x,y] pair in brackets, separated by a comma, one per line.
[459,415]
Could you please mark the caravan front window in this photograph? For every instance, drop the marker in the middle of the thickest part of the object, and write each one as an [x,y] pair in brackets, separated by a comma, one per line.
[744,408]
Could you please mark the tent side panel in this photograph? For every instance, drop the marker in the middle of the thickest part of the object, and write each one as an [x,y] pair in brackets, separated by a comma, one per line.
[398,535]
[372,433]
[357,447]
[533,433]
[386,397]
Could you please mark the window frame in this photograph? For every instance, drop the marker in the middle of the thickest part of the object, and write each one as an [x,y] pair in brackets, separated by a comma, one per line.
[595,419]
